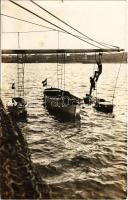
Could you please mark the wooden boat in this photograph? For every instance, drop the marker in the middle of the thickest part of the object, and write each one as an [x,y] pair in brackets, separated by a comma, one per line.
[103,106]
[17,107]
[62,102]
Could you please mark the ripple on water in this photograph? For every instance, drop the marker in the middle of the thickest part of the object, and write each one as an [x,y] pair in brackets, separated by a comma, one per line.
[85,159]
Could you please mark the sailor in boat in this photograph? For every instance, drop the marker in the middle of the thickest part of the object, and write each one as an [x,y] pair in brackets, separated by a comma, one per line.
[12,103]
[17,105]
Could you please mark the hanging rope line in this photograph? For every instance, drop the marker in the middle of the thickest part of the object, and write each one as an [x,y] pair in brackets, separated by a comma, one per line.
[19,19]
[87,37]
[52,23]
[50,29]
[64,70]
[117,77]
[104,44]
[26,32]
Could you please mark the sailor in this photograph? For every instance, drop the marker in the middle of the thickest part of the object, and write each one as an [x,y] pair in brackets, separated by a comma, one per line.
[88,99]
[12,103]
[97,73]
[92,86]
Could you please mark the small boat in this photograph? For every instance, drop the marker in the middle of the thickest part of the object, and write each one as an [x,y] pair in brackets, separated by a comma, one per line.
[17,107]
[58,101]
[62,102]
[103,106]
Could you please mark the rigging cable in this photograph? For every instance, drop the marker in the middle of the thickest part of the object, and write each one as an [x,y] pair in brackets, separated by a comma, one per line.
[19,19]
[26,32]
[52,23]
[58,60]
[104,44]
[117,76]
[87,37]
[27,22]
[40,25]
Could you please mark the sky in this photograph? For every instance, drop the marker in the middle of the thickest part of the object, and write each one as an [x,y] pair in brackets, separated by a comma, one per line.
[104,21]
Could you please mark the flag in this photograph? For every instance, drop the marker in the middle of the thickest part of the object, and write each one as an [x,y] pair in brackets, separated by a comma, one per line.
[13,86]
[44,82]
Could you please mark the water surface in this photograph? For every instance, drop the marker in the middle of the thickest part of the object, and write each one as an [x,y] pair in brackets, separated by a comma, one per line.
[85,159]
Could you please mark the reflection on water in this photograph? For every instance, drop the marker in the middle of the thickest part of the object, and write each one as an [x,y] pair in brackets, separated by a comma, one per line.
[81,159]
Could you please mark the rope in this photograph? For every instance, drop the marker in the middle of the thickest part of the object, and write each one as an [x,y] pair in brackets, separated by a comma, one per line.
[87,37]
[117,77]
[19,19]
[105,44]
[52,23]
[58,58]
[64,70]
[95,81]
[27,32]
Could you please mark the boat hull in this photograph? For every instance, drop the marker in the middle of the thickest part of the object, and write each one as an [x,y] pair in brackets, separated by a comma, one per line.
[17,111]
[64,105]
[17,107]
[105,106]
